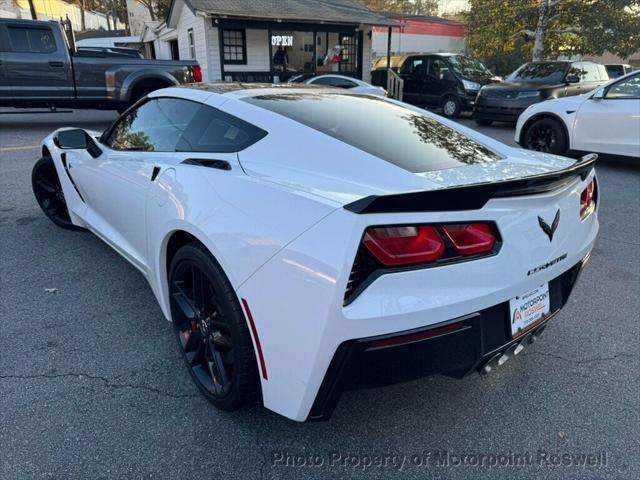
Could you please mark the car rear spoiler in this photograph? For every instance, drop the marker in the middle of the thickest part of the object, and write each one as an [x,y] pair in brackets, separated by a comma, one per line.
[471,197]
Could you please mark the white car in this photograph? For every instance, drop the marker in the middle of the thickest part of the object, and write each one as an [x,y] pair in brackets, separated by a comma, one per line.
[304,241]
[341,81]
[606,120]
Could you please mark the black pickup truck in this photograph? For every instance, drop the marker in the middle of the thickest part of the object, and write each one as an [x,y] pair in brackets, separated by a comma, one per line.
[38,69]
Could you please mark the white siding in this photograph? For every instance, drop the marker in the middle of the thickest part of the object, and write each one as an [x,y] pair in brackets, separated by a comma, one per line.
[366,55]
[257,53]
[186,21]
[213,52]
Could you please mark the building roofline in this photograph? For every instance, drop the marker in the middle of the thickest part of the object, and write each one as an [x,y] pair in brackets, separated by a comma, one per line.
[428,18]
[379,20]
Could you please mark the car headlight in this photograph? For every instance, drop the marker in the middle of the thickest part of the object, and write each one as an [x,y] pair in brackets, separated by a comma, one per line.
[530,94]
[468,85]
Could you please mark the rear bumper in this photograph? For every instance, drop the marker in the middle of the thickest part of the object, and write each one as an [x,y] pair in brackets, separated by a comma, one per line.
[455,348]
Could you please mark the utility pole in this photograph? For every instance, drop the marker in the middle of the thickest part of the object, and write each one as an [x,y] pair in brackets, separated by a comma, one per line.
[32,7]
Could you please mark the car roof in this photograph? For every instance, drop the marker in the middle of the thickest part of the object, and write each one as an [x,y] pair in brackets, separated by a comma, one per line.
[228,87]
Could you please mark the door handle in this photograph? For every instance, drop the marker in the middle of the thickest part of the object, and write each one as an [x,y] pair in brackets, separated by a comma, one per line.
[56,64]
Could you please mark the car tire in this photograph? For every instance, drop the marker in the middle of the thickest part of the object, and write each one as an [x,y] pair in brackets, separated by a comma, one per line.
[483,122]
[545,135]
[211,329]
[49,193]
[450,106]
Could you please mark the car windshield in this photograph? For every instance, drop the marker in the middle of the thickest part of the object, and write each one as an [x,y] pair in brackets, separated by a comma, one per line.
[469,67]
[549,73]
[407,139]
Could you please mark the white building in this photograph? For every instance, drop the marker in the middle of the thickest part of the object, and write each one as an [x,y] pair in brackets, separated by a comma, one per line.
[267,40]
[139,16]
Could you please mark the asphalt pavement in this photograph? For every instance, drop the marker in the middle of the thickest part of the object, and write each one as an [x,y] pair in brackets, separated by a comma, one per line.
[92,385]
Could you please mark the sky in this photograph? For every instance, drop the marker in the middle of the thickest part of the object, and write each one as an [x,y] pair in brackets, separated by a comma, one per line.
[452,6]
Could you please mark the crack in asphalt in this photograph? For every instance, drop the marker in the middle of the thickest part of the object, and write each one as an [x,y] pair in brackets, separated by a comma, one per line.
[587,360]
[108,383]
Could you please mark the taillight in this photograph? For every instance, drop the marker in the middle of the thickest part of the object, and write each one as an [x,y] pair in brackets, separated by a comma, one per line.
[470,238]
[422,246]
[404,245]
[412,245]
[588,199]
[196,73]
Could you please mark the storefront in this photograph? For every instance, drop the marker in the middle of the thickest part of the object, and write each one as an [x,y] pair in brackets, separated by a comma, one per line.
[233,43]
[274,52]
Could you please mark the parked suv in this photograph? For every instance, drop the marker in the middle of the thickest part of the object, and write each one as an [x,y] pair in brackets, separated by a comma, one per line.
[533,83]
[446,80]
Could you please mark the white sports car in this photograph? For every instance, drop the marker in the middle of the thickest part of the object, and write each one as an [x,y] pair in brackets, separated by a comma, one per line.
[354,85]
[304,241]
[606,120]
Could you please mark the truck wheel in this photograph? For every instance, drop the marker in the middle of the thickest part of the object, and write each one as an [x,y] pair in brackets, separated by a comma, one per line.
[450,107]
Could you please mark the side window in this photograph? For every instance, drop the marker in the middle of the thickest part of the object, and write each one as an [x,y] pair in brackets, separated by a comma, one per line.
[628,89]
[155,126]
[334,82]
[214,131]
[192,44]
[438,69]
[31,40]
[414,65]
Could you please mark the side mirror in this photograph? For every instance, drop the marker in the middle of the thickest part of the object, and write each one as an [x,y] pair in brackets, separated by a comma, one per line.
[573,79]
[77,139]
[72,139]
[598,95]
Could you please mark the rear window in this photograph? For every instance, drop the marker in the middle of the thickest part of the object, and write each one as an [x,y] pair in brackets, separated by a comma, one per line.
[31,40]
[412,141]
[549,73]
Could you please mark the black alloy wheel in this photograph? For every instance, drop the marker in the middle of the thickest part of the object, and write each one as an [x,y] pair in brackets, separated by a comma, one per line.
[546,135]
[211,329]
[49,194]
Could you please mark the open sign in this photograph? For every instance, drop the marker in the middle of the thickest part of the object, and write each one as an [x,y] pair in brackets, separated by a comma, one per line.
[282,40]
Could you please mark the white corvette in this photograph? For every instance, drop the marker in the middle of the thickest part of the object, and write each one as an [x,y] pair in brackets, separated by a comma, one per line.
[606,120]
[305,241]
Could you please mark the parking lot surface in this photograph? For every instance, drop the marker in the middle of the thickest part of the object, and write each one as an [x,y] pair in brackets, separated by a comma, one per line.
[92,384]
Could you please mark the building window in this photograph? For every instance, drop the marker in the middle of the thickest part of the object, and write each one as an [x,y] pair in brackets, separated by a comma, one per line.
[234,47]
[192,44]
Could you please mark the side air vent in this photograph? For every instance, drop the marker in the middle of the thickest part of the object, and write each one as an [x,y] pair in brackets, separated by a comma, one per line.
[209,163]
[363,266]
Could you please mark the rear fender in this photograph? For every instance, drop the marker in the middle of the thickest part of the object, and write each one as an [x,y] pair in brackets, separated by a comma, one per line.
[121,81]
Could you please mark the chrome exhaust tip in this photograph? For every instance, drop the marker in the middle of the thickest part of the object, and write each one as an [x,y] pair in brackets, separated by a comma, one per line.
[490,365]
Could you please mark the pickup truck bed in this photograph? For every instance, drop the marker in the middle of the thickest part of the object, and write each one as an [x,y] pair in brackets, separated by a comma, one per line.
[37,69]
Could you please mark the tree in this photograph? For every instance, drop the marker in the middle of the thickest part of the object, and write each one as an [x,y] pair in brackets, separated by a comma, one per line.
[411,7]
[157,8]
[540,29]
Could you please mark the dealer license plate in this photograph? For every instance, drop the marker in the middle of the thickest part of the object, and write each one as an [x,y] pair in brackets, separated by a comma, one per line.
[529,309]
